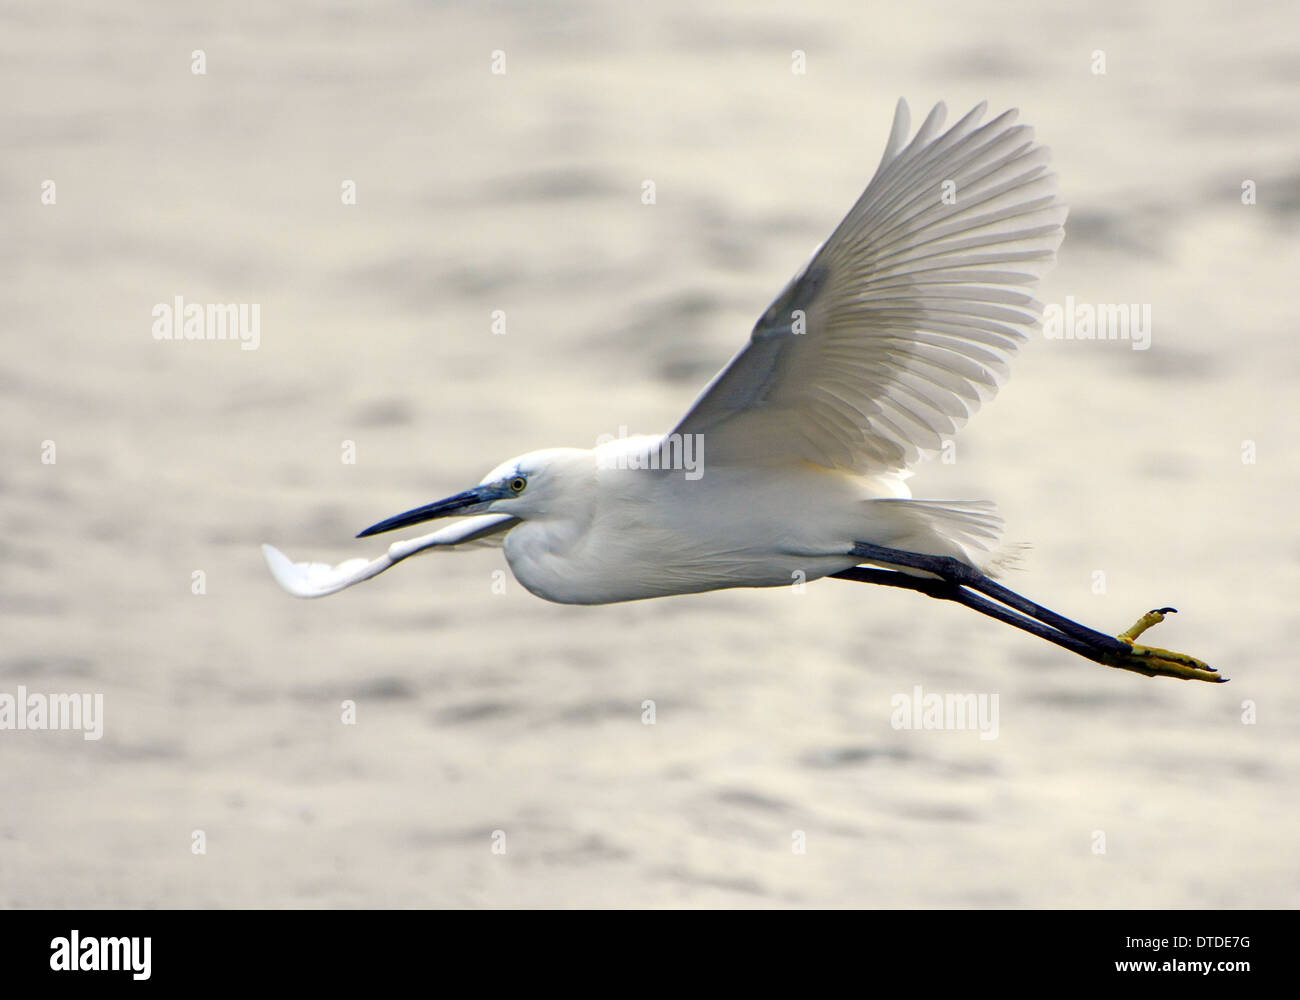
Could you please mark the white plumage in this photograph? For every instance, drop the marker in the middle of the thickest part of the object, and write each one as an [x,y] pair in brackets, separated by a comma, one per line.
[900,326]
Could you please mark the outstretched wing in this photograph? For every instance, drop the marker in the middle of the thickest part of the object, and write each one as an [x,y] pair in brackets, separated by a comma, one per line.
[905,319]
[319,579]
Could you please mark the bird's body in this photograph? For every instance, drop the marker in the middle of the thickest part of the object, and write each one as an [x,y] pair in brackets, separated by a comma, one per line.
[642,533]
[900,326]
[624,531]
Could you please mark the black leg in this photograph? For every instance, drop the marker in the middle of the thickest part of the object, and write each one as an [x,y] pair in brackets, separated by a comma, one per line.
[944,591]
[958,572]
[955,581]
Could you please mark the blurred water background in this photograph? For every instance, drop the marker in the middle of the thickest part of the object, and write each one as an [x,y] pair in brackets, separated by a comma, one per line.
[521,192]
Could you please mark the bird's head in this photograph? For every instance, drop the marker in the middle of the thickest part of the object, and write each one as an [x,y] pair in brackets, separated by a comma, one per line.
[530,486]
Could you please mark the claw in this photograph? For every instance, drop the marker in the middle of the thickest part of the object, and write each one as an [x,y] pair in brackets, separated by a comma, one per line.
[1156,662]
[1155,617]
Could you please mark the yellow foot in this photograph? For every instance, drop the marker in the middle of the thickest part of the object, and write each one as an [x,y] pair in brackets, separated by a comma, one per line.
[1156,662]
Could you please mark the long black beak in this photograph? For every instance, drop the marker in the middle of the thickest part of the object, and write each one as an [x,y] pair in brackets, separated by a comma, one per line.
[459,504]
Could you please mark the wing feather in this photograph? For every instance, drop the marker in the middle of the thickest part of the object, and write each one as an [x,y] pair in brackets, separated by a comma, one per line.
[905,320]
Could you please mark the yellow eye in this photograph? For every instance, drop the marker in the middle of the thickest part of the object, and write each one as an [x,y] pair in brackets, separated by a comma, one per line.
[517,484]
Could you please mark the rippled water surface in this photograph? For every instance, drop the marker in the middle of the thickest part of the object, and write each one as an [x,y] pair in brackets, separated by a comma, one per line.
[481,712]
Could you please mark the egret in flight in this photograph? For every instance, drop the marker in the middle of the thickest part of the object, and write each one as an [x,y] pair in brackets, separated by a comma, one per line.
[792,463]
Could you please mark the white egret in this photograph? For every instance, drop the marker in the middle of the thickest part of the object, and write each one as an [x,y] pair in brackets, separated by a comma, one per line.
[792,464]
